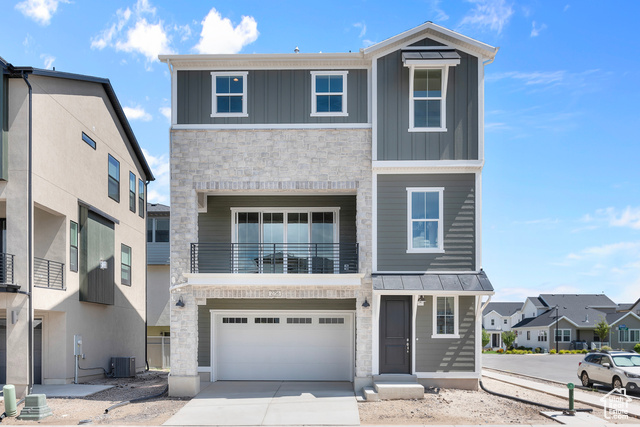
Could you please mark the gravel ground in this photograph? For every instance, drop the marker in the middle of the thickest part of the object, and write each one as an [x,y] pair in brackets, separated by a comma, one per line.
[466,407]
[91,409]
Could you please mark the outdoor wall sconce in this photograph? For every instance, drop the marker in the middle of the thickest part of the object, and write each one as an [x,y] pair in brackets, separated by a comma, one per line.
[365,304]
[103,264]
[180,303]
[421,300]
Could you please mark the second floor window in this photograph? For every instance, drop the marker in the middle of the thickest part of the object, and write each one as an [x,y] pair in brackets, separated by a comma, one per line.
[427,104]
[114,179]
[424,222]
[132,192]
[329,93]
[157,230]
[229,98]
[141,198]
[73,246]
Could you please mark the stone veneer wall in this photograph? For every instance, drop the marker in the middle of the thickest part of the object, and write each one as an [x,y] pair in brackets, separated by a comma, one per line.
[291,161]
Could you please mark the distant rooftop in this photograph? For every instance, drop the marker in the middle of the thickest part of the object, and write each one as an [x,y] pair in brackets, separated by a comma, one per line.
[503,308]
[158,208]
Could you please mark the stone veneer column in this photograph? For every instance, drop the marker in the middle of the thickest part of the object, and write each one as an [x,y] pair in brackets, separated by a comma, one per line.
[183,378]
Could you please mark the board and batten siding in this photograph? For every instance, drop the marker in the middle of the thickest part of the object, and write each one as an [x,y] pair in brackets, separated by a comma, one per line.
[459,223]
[273,97]
[204,314]
[459,142]
[446,354]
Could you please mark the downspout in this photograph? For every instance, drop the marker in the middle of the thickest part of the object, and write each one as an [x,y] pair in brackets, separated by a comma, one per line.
[146,279]
[30,230]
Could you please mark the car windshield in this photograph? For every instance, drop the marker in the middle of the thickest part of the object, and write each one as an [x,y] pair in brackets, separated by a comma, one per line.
[626,360]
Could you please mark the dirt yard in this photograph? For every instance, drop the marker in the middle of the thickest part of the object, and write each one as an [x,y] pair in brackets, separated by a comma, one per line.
[467,407]
[90,410]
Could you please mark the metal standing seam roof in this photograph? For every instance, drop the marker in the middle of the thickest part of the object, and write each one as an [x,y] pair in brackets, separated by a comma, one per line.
[429,55]
[476,282]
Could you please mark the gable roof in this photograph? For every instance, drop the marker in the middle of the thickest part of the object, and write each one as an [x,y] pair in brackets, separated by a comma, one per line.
[578,300]
[581,310]
[502,308]
[106,85]
[443,34]
[537,302]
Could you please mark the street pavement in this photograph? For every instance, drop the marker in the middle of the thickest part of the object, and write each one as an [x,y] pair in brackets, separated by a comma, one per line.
[554,367]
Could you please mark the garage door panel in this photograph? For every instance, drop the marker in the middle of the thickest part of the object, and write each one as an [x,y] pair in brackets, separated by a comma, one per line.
[318,347]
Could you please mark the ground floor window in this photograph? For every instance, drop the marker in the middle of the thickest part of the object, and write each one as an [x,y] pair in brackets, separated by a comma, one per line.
[562,335]
[445,313]
[542,336]
[629,335]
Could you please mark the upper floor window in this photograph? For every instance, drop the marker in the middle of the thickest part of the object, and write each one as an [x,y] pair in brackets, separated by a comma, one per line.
[229,94]
[73,246]
[114,179]
[132,192]
[141,198]
[88,140]
[427,99]
[493,322]
[504,321]
[157,230]
[329,93]
[424,220]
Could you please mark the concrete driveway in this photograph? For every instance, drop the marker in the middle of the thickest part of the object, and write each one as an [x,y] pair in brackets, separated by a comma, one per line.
[241,403]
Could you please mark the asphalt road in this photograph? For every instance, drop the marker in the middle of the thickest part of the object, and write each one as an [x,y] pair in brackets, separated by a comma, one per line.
[555,367]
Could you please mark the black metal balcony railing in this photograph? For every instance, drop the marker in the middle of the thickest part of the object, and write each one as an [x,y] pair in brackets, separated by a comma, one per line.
[271,258]
[48,274]
[6,268]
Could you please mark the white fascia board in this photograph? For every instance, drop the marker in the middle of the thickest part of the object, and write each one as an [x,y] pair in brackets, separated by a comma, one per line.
[435,32]
[232,279]
[429,292]
[629,313]
[269,126]
[426,166]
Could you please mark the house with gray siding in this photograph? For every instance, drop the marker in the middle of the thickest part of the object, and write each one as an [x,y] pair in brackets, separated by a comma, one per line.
[326,214]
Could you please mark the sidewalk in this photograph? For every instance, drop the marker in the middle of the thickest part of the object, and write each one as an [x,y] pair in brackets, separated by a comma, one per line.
[579,395]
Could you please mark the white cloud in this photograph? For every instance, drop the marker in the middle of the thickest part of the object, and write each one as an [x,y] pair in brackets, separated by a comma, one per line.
[628,217]
[48,60]
[136,31]
[166,111]
[363,28]
[488,14]
[535,29]
[435,10]
[220,36]
[531,78]
[137,113]
[158,191]
[367,42]
[566,8]
[40,11]
[184,31]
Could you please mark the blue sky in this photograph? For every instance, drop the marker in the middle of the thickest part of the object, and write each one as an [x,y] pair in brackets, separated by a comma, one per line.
[560,185]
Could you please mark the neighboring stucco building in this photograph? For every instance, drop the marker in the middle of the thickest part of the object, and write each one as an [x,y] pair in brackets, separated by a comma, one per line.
[326,214]
[72,214]
[158,312]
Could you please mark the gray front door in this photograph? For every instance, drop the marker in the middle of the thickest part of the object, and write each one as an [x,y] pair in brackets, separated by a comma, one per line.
[395,335]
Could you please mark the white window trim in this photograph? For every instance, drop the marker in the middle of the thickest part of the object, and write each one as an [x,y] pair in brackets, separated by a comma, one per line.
[561,333]
[629,331]
[442,98]
[456,331]
[344,112]
[214,95]
[440,248]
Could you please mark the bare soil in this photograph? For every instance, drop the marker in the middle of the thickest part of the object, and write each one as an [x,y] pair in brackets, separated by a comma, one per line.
[449,406]
[90,410]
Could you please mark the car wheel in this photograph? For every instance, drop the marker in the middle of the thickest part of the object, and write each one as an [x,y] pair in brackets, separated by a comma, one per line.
[617,383]
[585,380]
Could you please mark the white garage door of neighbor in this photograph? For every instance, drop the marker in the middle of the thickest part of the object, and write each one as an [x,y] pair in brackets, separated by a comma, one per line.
[308,346]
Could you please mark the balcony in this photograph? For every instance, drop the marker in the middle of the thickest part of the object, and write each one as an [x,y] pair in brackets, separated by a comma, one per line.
[48,274]
[274,264]
[6,269]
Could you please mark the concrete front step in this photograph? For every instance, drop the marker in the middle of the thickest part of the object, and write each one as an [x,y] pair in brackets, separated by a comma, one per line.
[398,390]
[370,394]
[395,378]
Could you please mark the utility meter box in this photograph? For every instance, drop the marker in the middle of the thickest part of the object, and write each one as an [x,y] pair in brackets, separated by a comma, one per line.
[77,345]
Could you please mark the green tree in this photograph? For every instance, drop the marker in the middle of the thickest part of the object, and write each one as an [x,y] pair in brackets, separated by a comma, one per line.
[485,338]
[602,329]
[508,338]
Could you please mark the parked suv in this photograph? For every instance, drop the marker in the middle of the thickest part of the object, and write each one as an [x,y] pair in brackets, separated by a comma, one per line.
[617,369]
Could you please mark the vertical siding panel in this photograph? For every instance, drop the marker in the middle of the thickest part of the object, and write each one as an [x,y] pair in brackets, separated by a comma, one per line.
[460,124]
[472,112]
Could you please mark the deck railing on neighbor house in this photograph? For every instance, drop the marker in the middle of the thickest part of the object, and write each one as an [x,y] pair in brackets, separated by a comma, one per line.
[274,258]
[6,268]
[48,274]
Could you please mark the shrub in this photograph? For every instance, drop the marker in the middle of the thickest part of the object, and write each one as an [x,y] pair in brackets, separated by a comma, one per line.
[584,351]
[552,351]
[637,348]
[500,351]
[510,351]
[606,348]
[538,350]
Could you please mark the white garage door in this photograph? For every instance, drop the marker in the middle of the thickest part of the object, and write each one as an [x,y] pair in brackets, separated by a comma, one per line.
[283,346]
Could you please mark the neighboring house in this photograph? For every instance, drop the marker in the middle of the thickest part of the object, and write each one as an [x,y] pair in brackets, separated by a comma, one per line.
[326,213]
[158,312]
[573,318]
[499,317]
[73,178]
